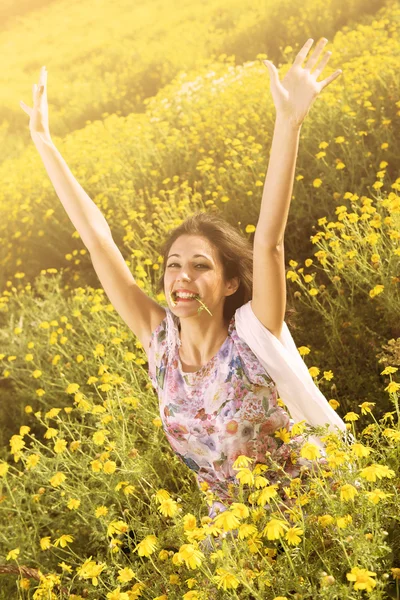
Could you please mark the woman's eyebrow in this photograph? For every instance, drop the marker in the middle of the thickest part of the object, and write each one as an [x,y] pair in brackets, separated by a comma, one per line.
[194,256]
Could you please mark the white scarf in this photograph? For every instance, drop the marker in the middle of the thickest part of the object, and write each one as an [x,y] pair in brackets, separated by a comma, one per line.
[285,366]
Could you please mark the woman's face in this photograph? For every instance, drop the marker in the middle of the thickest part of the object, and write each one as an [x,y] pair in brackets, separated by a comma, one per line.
[197,268]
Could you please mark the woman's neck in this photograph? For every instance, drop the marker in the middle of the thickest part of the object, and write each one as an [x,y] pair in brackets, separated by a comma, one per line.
[198,349]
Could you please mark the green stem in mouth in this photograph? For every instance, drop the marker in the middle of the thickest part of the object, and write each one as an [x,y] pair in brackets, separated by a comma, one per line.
[202,307]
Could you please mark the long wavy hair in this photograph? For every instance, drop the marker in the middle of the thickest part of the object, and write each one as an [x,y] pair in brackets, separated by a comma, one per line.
[234,251]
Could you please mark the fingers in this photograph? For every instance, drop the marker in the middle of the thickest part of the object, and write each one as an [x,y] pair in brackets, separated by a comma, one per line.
[316,54]
[329,79]
[322,64]
[38,90]
[273,72]
[25,108]
[300,58]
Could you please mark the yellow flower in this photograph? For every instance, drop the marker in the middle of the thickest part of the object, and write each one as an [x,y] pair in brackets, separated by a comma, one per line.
[118,595]
[373,471]
[314,371]
[125,575]
[362,578]
[89,570]
[109,467]
[16,443]
[351,416]
[388,370]
[274,529]
[225,580]
[72,388]
[63,541]
[191,555]
[117,527]
[283,434]
[3,469]
[96,466]
[53,412]
[266,494]
[168,508]
[348,492]
[360,450]
[147,546]
[60,446]
[50,433]
[366,407]
[162,495]
[392,434]
[378,289]
[189,522]
[392,388]
[101,511]
[334,403]
[337,458]
[395,572]
[99,437]
[298,428]
[226,521]
[24,583]
[293,535]
[45,543]
[239,510]
[57,479]
[376,495]
[245,476]
[12,555]
[342,522]
[246,530]
[73,504]
[310,451]
[325,520]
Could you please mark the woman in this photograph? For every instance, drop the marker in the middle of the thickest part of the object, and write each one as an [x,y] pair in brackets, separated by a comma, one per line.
[216,400]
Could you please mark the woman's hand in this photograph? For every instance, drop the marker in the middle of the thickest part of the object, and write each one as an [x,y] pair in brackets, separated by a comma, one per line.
[294,95]
[39,114]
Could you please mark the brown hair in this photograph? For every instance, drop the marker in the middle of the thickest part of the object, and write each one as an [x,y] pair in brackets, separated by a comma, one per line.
[234,251]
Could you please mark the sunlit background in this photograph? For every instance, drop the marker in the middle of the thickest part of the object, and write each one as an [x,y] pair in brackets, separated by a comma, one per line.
[161,109]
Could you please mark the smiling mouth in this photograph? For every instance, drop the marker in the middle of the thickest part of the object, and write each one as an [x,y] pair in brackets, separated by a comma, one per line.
[174,299]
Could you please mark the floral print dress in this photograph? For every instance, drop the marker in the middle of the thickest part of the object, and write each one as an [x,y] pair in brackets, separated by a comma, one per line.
[226,408]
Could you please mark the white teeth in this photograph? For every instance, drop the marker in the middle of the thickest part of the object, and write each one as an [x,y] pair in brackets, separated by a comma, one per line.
[183,295]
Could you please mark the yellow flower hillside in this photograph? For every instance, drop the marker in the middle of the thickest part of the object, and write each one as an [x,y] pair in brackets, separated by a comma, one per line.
[93,501]
[203,142]
[134,49]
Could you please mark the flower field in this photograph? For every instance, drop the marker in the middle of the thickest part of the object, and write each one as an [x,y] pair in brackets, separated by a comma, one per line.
[93,502]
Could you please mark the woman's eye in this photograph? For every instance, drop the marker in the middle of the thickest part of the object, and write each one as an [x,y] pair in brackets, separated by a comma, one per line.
[199,265]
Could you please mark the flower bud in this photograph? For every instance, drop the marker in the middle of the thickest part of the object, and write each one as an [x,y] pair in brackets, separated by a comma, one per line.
[328,580]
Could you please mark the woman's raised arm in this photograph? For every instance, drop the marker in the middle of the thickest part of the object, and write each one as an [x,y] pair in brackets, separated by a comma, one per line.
[293,98]
[86,217]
